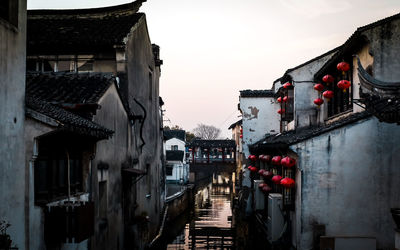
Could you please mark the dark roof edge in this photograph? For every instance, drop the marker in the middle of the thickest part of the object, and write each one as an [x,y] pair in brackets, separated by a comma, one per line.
[364,115]
[236,123]
[256,93]
[348,44]
[130,7]
[352,119]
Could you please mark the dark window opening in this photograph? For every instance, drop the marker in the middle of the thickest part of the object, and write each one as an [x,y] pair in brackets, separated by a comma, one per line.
[51,174]
[288,105]
[150,86]
[342,100]
[169,170]
[103,199]
[86,67]
[174,147]
[9,11]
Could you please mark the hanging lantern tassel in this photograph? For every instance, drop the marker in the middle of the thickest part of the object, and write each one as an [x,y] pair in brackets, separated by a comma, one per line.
[318,102]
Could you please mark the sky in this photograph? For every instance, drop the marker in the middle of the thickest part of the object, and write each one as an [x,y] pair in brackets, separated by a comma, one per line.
[212,49]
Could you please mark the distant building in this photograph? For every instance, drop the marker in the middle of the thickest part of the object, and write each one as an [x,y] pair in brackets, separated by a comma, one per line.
[177,170]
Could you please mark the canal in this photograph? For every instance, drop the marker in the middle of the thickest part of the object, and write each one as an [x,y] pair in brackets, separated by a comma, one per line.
[209,223]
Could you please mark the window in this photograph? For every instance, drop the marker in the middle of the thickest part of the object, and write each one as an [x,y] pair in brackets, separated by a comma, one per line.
[169,170]
[174,147]
[9,11]
[51,174]
[103,199]
[341,101]
[287,96]
[150,86]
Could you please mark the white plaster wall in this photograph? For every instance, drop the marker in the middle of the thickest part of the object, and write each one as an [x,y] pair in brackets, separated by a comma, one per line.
[13,174]
[175,141]
[349,181]
[306,112]
[260,118]
[177,172]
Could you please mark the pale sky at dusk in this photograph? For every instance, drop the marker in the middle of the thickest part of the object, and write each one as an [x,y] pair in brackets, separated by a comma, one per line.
[214,48]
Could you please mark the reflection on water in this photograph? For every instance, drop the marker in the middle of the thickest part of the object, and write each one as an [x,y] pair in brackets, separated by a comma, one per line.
[211,226]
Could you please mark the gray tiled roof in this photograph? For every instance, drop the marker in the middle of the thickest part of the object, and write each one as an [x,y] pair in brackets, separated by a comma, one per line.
[291,137]
[66,120]
[174,133]
[256,93]
[80,30]
[68,87]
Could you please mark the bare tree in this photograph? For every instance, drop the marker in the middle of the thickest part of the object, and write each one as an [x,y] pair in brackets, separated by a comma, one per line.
[208,132]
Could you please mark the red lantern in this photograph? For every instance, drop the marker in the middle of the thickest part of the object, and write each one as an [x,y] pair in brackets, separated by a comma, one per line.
[281,111]
[249,167]
[261,171]
[288,162]
[267,174]
[287,85]
[241,136]
[328,95]
[287,182]
[252,158]
[285,99]
[253,169]
[241,130]
[343,66]
[319,87]
[260,157]
[266,189]
[318,102]
[344,85]
[276,160]
[328,79]
[279,99]
[277,179]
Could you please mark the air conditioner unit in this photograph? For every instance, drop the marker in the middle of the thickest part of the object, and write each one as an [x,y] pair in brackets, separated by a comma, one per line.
[275,221]
[259,196]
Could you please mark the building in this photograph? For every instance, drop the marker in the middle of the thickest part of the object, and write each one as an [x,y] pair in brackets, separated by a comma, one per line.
[340,162]
[127,180]
[177,170]
[12,94]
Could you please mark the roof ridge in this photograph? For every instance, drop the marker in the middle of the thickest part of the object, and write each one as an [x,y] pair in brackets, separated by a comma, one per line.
[122,9]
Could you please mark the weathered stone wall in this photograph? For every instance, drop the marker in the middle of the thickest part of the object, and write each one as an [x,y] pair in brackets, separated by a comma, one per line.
[385,48]
[12,94]
[260,118]
[143,86]
[113,153]
[347,180]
